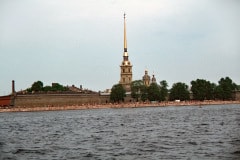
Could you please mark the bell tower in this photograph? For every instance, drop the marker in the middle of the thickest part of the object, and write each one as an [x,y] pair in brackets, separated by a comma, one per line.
[126,67]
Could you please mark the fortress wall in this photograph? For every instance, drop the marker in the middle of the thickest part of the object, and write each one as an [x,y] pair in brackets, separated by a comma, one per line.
[41,100]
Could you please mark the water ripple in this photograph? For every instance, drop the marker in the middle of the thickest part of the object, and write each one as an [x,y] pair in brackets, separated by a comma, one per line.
[210,132]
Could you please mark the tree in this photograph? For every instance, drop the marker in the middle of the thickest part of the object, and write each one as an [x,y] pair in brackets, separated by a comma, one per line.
[202,89]
[144,93]
[153,92]
[47,88]
[225,89]
[163,90]
[211,92]
[179,91]
[136,87]
[58,87]
[238,87]
[219,93]
[37,86]
[118,93]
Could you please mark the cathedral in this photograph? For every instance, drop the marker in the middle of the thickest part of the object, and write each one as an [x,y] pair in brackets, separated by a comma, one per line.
[126,67]
[147,80]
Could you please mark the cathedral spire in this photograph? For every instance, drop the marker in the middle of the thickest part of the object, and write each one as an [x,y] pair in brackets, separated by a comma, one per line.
[125,54]
[126,67]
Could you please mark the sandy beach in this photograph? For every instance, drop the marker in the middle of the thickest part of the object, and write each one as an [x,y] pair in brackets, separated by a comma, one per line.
[115,105]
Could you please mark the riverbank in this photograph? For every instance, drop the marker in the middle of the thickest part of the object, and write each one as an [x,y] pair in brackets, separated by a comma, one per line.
[118,105]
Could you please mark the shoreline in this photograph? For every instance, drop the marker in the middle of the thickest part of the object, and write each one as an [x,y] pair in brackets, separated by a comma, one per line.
[118,105]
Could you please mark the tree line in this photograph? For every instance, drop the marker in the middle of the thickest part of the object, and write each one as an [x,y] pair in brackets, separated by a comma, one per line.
[39,87]
[200,89]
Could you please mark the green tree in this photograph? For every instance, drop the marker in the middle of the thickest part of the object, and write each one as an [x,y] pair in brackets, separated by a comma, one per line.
[238,87]
[219,93]
[211,93]
[47,88]
[202,89]
[179,91]
[136,89]
[37,86]
[225,89]
[55,87]
[117,93]
[144,93]
[153,92]
[163,90]
[58,87]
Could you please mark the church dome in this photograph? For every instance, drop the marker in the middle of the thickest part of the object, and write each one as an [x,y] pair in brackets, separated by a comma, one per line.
[154,79]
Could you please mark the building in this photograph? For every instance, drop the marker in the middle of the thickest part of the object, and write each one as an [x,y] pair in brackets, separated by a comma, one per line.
[154,79]
[126,67]
[146,79]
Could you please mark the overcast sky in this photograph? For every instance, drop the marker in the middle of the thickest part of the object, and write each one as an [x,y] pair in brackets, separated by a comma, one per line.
[80,42]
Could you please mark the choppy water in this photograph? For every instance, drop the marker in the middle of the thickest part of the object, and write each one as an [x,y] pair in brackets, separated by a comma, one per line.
[210,132]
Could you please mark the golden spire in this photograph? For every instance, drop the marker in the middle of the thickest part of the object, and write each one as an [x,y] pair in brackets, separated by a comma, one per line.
[125,37]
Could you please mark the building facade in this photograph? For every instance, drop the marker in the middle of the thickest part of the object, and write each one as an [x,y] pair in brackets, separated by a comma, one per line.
[147,80]
[125,67]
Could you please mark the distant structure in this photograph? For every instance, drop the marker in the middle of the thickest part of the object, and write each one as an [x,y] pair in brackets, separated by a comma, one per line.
[154,79]
[13,88]
[126,67]
[146,79]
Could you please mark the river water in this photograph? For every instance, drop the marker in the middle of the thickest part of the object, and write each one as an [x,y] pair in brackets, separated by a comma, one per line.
[188,132]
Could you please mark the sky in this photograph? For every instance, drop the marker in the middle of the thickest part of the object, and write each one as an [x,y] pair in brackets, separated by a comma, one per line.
[80,42]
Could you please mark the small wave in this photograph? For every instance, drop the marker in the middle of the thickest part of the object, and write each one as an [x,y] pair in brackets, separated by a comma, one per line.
[2,144]
[88,155]
[237,152]
[24,151]
[192,143]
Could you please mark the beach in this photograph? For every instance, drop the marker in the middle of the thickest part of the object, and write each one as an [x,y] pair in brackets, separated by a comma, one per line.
[115,105]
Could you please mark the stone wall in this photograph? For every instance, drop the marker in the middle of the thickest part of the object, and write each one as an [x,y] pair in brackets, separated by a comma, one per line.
[41,100]
[59,99]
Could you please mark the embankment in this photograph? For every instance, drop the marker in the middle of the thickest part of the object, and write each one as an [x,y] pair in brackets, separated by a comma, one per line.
[109,105]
